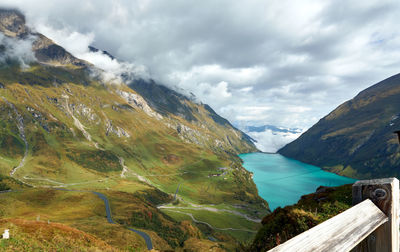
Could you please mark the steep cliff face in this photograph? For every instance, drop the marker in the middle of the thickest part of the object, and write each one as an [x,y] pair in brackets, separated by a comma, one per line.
[356,139]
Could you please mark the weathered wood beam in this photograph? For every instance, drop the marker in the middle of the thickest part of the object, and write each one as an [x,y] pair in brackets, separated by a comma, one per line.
[398,134]
[340,233]
[384,193]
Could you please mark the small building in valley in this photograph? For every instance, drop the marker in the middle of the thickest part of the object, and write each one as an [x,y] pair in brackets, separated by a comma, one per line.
[6,234]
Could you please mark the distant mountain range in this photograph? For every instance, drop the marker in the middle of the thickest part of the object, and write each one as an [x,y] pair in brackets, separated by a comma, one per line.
[272,128]
[356,139]
[270,138]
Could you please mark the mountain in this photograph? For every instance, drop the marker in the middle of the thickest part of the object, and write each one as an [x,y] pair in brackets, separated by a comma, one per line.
[167,164]
[272,128]
[270,138]
[356,139]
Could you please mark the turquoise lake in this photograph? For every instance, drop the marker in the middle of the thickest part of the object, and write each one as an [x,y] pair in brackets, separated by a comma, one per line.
[282,181]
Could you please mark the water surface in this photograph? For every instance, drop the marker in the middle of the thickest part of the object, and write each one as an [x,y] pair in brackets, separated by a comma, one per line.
[281,181]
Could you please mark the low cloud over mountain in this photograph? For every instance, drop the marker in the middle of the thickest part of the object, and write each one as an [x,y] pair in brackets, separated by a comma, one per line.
[295,60]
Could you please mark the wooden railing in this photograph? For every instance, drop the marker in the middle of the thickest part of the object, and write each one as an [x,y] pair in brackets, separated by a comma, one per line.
[372,224]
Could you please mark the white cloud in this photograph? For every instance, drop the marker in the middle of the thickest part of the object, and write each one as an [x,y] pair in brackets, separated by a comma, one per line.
[72,40]
[301,59]
[17,49]
[236,76]
[269,141]
[78,44]
[246,89]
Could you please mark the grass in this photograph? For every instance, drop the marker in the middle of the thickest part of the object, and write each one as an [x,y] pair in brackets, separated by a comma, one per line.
[83,211]
[220,220]
[60,155]
[33,236]
[99,160]
[144,152]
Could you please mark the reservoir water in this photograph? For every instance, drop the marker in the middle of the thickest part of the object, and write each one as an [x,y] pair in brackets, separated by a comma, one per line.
[282,181]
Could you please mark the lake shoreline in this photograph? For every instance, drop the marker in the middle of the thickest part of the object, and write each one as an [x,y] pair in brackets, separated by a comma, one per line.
[277,153]
[281,181]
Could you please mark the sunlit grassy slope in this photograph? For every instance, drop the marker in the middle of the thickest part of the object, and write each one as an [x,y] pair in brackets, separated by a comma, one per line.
[82,134]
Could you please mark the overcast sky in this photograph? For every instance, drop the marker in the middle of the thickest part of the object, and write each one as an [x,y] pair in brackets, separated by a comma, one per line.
[277,62]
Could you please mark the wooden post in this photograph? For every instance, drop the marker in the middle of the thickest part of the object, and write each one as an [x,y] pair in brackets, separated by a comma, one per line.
[398,134]
[384,193]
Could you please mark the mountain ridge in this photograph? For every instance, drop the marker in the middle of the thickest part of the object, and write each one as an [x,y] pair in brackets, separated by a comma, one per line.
[357,138]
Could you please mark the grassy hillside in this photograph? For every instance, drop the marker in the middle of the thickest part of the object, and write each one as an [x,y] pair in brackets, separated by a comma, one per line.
[49,219]
[86,136]
[158,156]
[35,235]
[356,139]
[63,127]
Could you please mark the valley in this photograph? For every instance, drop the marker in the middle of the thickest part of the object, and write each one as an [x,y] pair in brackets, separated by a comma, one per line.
[107,142]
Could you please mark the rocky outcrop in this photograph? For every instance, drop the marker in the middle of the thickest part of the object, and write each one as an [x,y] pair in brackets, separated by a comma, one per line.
[12,23]
[111,129]
[139,102]
[46,51]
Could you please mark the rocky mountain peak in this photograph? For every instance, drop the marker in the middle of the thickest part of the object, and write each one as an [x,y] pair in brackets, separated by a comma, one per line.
[12,23]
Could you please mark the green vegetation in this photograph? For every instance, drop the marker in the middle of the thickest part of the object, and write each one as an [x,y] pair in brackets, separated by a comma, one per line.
[41,236]
[7,183]
[81,133]
[61,155]
[99,160]
[72,217]
[3,186]
[312,209]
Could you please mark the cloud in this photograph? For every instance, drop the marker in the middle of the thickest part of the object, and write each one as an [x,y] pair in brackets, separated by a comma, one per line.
[301,59]
[17,49]
[110,69]
[269,141]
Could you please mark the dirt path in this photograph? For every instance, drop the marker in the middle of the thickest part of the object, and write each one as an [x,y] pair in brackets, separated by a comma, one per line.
[211,209]
[208,224]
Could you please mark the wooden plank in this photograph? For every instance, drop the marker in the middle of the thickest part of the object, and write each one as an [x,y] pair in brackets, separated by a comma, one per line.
[340,233]
[384,193]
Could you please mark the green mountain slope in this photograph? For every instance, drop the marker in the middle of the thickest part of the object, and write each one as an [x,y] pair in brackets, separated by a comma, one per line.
[356,139]
[62,127]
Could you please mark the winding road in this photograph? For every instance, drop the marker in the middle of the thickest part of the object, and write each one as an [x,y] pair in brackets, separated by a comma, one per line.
[145,236]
